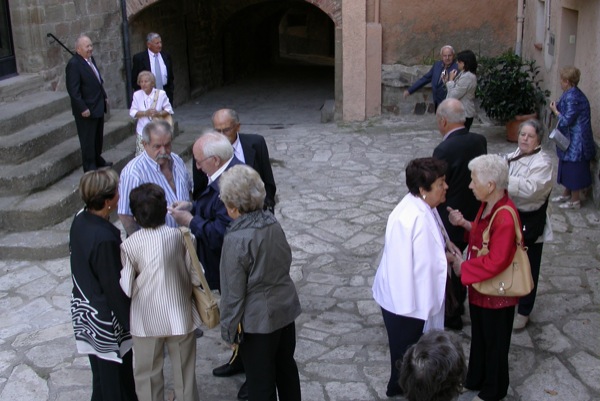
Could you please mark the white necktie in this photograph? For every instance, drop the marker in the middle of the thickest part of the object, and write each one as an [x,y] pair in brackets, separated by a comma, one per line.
[158,72]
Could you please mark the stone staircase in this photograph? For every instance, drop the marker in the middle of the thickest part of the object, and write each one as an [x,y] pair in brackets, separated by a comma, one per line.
[40,166]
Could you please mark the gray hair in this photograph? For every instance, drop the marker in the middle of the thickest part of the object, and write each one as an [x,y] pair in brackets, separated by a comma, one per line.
[447,47]
[157,127]
[151,36]
[433,368]
[232,114]
[537,126]
[216,144]
[452,110]
[491,168]
[146,74]
[241,187]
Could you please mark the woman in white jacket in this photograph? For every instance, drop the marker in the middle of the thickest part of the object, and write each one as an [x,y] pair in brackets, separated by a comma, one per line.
[462,84]
[529,185]
[411,279]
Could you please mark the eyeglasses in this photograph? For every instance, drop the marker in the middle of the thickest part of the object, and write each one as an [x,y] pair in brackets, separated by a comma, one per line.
[225,130]
[205,159]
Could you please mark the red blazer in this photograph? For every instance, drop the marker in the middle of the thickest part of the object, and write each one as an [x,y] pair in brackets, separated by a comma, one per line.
[502,249]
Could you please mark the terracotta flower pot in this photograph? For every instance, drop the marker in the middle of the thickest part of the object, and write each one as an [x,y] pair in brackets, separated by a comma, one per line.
[512,127]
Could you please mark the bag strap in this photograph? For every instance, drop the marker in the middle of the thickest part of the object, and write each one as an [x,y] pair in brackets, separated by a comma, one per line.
[189,245]
[486,232]
[153,105]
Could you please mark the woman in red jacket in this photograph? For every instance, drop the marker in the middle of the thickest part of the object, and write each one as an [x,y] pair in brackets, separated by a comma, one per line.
[491,316]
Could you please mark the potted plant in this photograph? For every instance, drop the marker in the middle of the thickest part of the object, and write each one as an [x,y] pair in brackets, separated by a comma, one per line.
[509,90]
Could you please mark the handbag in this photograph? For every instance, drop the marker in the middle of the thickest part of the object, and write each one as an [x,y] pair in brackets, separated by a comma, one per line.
[168,118]
[562,142]
[516,280]
[203,297]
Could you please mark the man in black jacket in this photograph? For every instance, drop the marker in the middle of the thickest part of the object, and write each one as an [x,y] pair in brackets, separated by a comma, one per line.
[250,149]
[154,60]
[458,148]
[88,102]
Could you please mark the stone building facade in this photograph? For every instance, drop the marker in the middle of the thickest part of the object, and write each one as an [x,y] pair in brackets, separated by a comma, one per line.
[214,42]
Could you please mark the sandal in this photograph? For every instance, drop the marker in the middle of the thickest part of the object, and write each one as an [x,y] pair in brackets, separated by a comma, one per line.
[570,205]
[560,198]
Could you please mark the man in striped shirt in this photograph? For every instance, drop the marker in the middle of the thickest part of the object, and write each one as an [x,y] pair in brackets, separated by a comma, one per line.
[156,165]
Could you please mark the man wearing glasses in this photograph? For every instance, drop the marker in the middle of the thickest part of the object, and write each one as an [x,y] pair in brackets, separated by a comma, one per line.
[250,149]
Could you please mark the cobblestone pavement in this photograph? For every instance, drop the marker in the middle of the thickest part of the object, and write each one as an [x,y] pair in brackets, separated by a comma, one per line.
[336,186]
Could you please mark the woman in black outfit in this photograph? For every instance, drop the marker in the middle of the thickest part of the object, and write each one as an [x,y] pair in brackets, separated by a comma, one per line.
[99,308]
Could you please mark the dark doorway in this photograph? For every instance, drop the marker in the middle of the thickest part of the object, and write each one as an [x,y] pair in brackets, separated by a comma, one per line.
[277,35]
[8,64]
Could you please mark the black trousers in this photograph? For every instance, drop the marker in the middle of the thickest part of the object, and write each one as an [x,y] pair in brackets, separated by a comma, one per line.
[91,135]
[534,252]
[270,366]
[112,381]
[456,294]
[402,332]
[491,330]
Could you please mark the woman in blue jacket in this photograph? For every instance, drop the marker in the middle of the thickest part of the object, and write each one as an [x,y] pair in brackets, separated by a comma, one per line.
[573,112]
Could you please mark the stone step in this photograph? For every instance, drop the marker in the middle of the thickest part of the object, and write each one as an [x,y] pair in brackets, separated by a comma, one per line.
[14,88]
[59,160]
[36,139]
[52,205]
[32,109]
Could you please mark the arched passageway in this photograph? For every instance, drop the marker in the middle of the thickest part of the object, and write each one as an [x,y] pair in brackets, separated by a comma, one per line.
[216,43]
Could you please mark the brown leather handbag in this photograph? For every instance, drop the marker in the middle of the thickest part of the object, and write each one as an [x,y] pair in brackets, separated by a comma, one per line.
[516,280]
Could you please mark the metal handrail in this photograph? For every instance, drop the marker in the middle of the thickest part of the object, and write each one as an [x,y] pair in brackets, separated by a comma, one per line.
[49,35]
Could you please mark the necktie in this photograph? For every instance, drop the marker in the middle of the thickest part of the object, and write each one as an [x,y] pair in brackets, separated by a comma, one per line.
[158,73]
[93,67]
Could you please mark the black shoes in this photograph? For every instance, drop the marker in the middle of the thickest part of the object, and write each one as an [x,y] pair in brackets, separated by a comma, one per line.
[233,367]
[243,393]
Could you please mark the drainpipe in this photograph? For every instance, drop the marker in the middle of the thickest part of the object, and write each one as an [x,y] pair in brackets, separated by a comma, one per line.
[520,21]
[377,11]
[126,55]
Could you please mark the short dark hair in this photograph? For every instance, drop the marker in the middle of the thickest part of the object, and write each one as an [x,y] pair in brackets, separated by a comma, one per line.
[433,369]
[467,57]
[421,173]
[148,205]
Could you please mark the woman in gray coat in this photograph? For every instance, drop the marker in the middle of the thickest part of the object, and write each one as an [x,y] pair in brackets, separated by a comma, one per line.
[259,302]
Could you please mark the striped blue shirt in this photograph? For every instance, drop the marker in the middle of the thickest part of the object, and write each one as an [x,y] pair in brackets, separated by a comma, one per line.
[142,170]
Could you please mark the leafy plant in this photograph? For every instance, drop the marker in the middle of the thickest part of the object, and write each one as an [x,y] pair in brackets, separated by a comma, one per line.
[509,86]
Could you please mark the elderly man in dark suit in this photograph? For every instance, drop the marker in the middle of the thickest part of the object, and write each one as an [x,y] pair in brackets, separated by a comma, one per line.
[458,148]
[88,102]
[156,61]
[437,76]
[207,216]
[250,149]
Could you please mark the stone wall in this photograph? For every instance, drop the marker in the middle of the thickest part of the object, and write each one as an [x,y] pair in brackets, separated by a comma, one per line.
[67,20]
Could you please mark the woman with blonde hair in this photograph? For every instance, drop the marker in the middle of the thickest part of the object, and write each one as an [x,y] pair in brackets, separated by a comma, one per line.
[99,308]
[574,122]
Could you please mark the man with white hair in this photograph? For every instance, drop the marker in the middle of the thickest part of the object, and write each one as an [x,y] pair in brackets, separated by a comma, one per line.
[437,76]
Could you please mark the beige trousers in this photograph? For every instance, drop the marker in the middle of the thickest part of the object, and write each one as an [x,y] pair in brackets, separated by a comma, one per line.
[148,367]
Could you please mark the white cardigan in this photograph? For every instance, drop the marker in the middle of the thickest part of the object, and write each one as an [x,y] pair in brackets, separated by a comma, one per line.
[411,278]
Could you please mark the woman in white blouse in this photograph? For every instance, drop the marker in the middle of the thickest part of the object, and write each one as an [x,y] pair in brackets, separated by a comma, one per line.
[461,84]
[411,278]
[148,103]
